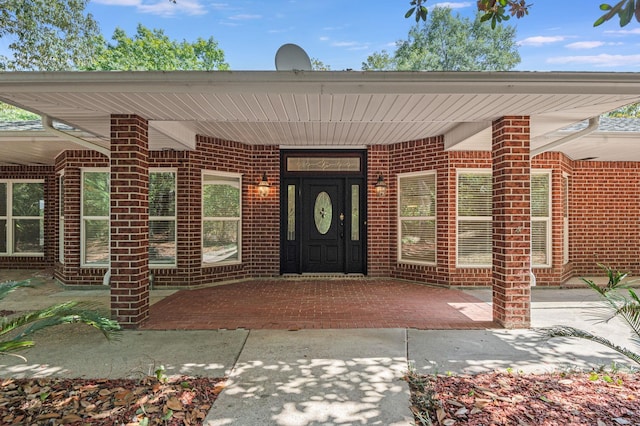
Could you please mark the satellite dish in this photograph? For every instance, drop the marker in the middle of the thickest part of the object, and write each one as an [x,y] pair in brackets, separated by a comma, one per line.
[291,57]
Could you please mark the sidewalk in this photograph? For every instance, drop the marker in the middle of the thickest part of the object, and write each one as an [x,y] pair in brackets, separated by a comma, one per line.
[320,377]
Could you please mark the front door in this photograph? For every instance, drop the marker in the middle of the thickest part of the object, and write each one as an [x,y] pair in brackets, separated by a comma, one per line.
[323,224]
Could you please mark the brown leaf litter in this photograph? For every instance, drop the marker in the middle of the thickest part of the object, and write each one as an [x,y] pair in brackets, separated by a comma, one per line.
[594,399]
[147,401]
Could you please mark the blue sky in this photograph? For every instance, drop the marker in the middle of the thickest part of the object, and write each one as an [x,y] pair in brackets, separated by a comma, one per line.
[342,33]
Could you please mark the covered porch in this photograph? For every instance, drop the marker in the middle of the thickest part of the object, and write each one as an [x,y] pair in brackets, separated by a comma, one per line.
[212,127]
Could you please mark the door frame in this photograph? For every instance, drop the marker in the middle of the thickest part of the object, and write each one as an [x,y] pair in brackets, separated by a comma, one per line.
[287,177]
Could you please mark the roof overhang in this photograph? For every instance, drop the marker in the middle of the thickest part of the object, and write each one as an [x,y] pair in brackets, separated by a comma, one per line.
[332,109]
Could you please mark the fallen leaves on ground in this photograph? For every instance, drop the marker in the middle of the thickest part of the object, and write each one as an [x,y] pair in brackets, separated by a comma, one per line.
[595,399]
[148,401]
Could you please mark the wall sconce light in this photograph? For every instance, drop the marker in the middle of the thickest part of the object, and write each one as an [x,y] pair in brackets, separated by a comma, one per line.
[263,186]
[381,187]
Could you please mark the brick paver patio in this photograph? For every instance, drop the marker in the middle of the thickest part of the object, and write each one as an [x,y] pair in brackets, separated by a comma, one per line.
[293,304]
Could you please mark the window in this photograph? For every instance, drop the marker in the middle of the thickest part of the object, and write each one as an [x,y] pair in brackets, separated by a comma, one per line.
[96,211]
[61,218]
[162,217]
[540,219]
[417,218]
[565,219]
[474,212]
[22,217]
[95,217]
[221,218]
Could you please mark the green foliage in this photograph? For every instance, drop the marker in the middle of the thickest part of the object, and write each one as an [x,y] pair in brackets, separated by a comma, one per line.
[47,35]
[152,49]
[629,111]
[11,113]
[161,374]
[445,42]
[492,10]
[15,330]
[625,9]
[615,304]
[379,61]
[496,12]
[318,65]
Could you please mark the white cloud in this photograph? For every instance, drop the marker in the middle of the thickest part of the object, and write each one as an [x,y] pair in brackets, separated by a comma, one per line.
[281,30]
[118,2]
[452,4]
[540,40]
[624,32]
[345,44]
[324,38]
[244,17]
[351,45]
[585,45]
[161,7]
[604,60]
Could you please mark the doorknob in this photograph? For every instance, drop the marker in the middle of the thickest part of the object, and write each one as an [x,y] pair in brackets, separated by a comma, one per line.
[341,225]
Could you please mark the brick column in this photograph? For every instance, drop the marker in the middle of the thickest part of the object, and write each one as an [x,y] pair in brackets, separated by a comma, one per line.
[380,245]
[511,222]
[129,220]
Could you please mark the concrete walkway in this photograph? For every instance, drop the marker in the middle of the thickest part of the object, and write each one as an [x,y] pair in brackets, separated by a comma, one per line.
[320,377]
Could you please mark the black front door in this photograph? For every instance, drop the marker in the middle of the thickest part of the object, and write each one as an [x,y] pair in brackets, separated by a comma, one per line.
[322,220]
[323,225]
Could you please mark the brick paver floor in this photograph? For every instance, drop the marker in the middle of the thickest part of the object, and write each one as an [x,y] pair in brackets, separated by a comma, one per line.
[292,304]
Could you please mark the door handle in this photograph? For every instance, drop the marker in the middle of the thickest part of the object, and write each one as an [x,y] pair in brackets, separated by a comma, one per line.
[341,225]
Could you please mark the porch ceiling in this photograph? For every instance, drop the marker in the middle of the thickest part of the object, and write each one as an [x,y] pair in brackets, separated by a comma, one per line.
[315,109]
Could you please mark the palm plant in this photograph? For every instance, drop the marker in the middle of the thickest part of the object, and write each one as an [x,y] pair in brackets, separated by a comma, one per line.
[615,304]
[20,327]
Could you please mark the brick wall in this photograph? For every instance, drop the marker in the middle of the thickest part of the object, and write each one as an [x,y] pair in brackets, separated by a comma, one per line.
[380,213]
[604,208]
[604,216]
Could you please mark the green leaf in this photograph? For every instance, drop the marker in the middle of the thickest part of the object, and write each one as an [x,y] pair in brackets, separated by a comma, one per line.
[594,376]
[168,415]
[605,6]
[409,12]
[599,21]
[626,13]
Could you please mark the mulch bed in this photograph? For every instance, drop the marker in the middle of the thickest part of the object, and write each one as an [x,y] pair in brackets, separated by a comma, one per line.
[147,401]
[594,399]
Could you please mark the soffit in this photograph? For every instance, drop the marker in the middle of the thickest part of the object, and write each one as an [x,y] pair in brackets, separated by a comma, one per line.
[320,109]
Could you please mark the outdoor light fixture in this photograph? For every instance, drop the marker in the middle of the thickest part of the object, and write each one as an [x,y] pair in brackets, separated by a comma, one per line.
[263,186]
[381,187]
